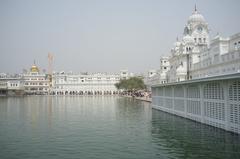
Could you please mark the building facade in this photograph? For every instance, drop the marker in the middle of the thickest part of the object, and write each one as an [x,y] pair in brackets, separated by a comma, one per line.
[187,51]
[11,85]
[36,82]
[158,76]
[203,80]
[222,57]
[87,83]
[196,56]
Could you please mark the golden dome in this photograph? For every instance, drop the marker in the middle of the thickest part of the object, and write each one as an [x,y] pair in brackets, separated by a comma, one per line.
[34,68]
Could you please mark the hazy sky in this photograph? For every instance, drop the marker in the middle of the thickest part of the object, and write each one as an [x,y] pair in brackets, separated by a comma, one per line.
[101,35]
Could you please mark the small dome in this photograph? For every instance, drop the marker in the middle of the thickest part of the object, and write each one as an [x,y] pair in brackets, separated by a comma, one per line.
[177,44]
[188,39]
[217,36]
[181,70]
[34,68]
[196,17]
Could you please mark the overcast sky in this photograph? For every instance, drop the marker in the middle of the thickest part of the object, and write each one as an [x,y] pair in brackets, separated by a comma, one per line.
[101,35]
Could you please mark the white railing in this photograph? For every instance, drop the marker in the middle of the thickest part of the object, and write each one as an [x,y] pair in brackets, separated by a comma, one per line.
[215,103]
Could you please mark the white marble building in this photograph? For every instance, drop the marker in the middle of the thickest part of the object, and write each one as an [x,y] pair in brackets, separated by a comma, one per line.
[186,52]
[36,82]
[87,83]
[222,57]
[158,76]
[11,85]
[195,56]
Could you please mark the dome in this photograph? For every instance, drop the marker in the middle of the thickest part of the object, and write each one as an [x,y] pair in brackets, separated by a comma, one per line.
[188,39]
[177,44]
[217,36]
[196,18]
[34,68]
[180,70]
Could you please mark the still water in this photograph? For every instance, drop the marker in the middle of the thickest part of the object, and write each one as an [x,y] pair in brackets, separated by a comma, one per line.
[104,128]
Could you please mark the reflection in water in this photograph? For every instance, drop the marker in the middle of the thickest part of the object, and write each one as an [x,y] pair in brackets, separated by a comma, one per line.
[49,112]
[188,139]
[104,127]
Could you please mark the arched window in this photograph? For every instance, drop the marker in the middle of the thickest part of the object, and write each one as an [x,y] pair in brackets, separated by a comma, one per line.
[200,40]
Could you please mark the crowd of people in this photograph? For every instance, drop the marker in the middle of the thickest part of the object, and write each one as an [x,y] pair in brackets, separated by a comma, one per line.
[137,93]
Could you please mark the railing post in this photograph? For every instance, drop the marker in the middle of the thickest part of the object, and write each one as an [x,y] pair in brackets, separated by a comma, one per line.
[173,99]
[164,97]
[201,88]
[185,99]
[225,85]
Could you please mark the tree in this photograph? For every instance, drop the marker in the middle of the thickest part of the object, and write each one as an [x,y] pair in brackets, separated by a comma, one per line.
[133,83]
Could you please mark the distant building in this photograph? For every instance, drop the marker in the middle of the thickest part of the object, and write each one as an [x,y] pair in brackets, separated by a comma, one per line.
[158,76]
[36,82]
[87,83]
[124,74]
[11,85]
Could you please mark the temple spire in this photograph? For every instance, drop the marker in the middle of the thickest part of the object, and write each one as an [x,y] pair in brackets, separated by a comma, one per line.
[195,8]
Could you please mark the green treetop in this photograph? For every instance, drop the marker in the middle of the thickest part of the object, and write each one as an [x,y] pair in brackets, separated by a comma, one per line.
[133,83]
